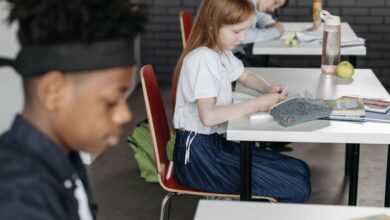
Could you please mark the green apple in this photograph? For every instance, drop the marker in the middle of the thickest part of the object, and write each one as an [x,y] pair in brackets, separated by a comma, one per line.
[345,70]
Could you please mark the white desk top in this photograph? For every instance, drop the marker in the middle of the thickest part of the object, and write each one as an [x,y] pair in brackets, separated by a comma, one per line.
[233,210]
[364,83]
[276,47]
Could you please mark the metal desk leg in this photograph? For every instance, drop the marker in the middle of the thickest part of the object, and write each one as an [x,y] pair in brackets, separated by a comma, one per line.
[246,171]
[354,174]
[266,62]
[387,192]
[353,60]
[348,156]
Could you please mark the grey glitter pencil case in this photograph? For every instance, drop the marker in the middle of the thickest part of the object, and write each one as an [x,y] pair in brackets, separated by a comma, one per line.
[297,110]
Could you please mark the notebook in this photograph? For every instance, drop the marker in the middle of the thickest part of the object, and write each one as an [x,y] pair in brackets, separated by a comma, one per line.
[315,38]
[378,117]
[346,106]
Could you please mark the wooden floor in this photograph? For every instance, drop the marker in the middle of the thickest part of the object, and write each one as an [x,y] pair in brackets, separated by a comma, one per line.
[122,194]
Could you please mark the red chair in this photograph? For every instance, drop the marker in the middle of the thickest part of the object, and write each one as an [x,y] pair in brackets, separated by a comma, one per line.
[185,26]
[160,134]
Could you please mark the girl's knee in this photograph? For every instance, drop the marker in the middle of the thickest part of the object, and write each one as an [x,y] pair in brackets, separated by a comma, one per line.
[298,197]
[302,192]
[306,192]
[303,168]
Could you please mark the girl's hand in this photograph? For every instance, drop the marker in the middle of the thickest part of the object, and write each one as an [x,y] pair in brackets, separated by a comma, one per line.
[268,100]
[274,89]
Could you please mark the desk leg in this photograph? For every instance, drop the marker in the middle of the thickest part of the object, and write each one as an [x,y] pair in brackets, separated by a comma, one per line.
[387,192]
[353,60]
[246,171]
[354,173]
[266,62]
[348,156]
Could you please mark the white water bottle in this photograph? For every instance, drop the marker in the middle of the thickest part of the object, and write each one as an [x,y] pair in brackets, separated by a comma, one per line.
[330,43]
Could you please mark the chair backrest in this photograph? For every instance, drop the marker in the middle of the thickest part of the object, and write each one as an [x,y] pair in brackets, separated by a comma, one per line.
[159,127]
[185,26]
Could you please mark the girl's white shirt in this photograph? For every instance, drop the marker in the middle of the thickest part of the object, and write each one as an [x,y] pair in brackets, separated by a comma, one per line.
[205,73]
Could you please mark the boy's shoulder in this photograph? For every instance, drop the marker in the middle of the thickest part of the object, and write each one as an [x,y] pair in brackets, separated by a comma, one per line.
[14,162]
[19,166]
[26,185]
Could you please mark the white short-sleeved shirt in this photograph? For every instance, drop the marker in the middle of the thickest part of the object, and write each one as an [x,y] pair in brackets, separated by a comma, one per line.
[205,73]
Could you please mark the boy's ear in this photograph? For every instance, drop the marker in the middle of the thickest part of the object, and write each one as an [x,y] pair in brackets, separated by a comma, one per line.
[51,90]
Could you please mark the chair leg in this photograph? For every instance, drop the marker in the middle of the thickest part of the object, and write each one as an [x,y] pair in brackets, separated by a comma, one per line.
[166,206]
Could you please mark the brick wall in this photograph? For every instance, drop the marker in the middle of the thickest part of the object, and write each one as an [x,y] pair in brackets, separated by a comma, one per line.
[161,42]
[370,19]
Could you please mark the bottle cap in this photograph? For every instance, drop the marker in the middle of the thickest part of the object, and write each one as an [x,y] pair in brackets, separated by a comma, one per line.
[330,19]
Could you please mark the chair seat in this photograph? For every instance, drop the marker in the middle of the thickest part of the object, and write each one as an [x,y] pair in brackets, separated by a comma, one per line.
[172,185]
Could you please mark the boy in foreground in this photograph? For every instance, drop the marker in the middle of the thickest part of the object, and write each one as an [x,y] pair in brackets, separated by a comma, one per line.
[76,62]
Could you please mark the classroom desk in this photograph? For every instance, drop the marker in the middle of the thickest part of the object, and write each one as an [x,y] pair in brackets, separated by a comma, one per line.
[276,47]
[364,83]
[232,210]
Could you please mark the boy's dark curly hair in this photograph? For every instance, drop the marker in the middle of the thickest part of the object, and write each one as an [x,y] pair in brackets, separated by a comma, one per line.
[61,21]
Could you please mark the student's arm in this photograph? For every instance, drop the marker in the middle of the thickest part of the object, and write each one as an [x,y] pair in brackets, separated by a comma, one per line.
[256,82]
[211,114]
[256,34]
[203,83]
[279,26]
[262,20]
[264,28]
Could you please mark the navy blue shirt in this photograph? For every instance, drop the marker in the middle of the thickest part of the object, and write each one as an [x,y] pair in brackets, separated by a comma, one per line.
[37,178]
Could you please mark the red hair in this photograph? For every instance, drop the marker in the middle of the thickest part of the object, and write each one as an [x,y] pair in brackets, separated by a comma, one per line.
[211,16]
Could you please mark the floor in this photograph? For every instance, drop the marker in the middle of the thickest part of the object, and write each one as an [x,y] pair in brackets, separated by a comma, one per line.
[121,194]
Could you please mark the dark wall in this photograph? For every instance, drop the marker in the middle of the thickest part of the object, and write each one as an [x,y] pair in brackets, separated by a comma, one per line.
[370,19]
[161,42]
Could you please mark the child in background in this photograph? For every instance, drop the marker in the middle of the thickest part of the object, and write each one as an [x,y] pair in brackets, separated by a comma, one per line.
[76,63]
[202,94]
[263,28]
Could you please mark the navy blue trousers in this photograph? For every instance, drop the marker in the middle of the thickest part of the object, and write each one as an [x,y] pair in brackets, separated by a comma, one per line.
[214,165]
